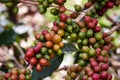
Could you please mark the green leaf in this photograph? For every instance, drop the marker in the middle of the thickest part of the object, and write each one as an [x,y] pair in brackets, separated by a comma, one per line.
[47,71]
[69,48]
[7,37]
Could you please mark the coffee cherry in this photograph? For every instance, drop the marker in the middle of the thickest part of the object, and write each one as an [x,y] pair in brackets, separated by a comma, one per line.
[40,45]
[44,32]
[55,28]
[33,61]
[97,68]
[50,1]
[90,73]
[77,8]
[54,11]
[104,67]
[91,25]
[104,75]
[7,75]
[74,15]
[61,32]
[43,50]
[36,49]
[100,58]
[97,29]
[49,44]
[95,21]
[62,25]
[89,33]
[43,62]
[61,45]
[109,77]
[98,51]
[87,19]
[37,36]
[81,62]
[9,4]
[59,2]
[95,77]
[73,75]
[39,68]
[73,68]
[91,52]
[29,54]
[98,36]
[110,4]
[85,49]
[85,42]
[40,1]
[73,36]
[85,56]
[81,24]
[21,77]
[48,37]
[14,71]
[93,63]
[15,10]
[88,4]
[23,71]
[42,9]
[69,21]
[14,77]
[56,39]
[92,40]
[56,47]
[81,35]
[62,9]
[59,52]
[63,17]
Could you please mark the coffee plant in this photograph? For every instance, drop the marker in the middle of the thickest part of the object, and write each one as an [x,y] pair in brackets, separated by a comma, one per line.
[75,31]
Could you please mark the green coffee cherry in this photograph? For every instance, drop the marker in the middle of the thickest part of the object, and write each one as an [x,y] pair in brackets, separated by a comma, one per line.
[81,35]
[9,4]
[89,33]
[50,1]
[45,4]
[77,8]
[69,21]
[38,56]
[15,10]
[42,9]
[54,11]
[91,52]
[41,1]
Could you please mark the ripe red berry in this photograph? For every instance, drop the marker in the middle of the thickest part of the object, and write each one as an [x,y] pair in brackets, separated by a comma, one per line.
[87,19]
[95,21]
[110,4]
[29,54]
[7,75]
[97,29]
[55,28]
[40,45]
[98,51]
[90,73]
[97,68]
[63,17]
[48,37]
[44,32]
[93,63]
[104,67]
[91,25]
[88,4]
[39,68]
[106,48]
[104,75]
[105,35]
[37,36]
[30,49]
[33,61]
[36,49]
[105,60]
[109,77]
[43,62]
[60,2]
[95,76]
[100,59]
[62,9]
[49,44]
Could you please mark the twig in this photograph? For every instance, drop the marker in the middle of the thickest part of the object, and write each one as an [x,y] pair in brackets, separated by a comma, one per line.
[83,14]
[36,3]
[20,50]
[114,29]
[111,20]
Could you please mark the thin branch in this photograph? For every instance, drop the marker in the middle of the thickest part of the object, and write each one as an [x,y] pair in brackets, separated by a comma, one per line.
[63,68]
[83,14]
[114,29]
[20,50]
[36,3]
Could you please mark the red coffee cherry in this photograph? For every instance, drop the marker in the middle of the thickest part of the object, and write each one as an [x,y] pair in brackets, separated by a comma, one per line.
[29,54]
[104,67]
[95,76]
[109,4]
[104,75]
[39,68]
[97,29]
[63,17]
[7,75]
[55,28]
[37,36]
[33,61]
[43,62]
[44,32]
[62,9]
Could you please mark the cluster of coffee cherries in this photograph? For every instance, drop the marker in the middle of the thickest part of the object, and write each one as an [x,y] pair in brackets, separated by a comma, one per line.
[48,45]
[93,54]
[44,4]
[100,6]
[18,74]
